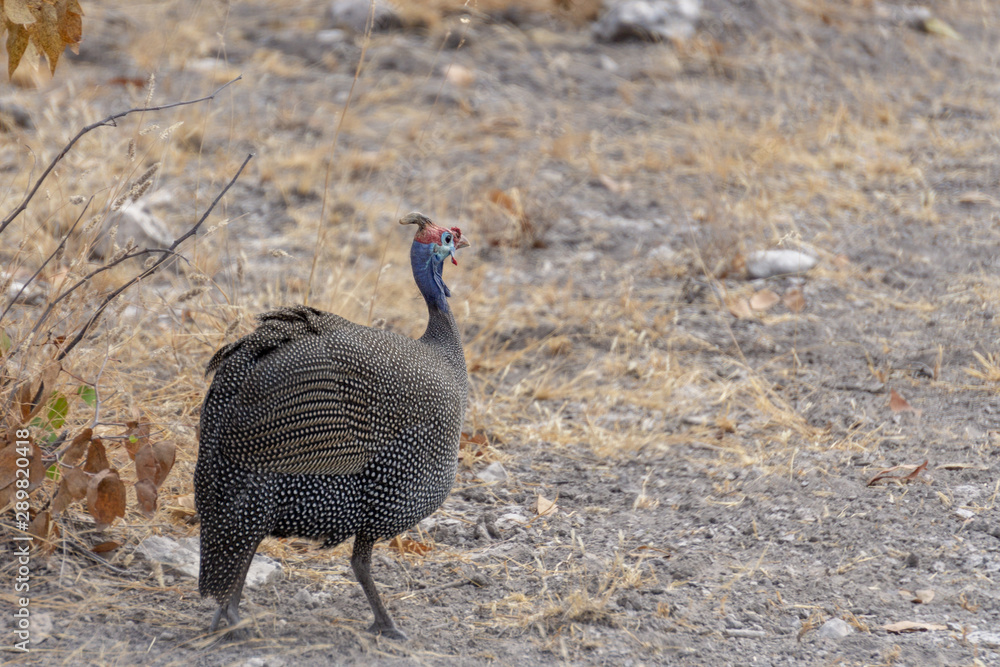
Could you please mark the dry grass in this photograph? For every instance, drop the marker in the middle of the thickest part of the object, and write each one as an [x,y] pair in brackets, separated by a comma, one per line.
[555,363]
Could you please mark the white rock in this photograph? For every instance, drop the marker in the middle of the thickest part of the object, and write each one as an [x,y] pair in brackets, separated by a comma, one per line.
[353,15]
[768,263]
[32,294]
[647,19]
[183,556]
[263,571]
[835,628]
[41,627]
[984,638]
[134,221]
[493,473]
[304,597]
[508,521]
[168,552]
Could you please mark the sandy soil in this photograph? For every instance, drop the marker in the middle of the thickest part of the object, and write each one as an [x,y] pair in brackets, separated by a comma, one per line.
[710,462]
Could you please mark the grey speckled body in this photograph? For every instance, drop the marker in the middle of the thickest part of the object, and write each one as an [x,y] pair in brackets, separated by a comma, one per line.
[318,427]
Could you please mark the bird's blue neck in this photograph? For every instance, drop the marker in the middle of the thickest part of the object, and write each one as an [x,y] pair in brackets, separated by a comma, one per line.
[427,274]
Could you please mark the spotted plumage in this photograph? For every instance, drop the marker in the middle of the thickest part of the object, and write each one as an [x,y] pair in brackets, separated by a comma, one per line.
[317,427]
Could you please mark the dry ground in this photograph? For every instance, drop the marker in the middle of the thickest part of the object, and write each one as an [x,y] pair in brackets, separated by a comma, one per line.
[709,460]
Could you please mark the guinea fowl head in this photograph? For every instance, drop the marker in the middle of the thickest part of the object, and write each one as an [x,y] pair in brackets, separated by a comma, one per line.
[431,246]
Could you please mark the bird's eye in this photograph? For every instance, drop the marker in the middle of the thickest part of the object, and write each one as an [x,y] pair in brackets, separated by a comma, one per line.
[446,238]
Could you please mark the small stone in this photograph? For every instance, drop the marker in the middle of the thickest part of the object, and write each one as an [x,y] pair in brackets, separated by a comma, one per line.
[134,221]
[769,263]
[41,627]
[263,572]
[164,550]
[652,20]
[508,521]
[493,473]
[835,628]
[984,638]
[14,116]
[305,598]
[353,15]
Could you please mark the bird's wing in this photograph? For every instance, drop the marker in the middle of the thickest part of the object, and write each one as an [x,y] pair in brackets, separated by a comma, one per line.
[321,402]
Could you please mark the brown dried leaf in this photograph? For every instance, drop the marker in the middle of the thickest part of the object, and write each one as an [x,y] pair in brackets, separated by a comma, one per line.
[18,11]
[71,24]
[900,627]
[763,300]
[544,506]
[136,436]
[145,495]
[9,457]
[78,447]
[8,465]
[97,457]
[41,525]
[899,404]
[72,486]
[103,547]
[106,497]
[45,33]
[794,300]
[405,545]
[153,462]
[884,475]
[165,454]
[739,307]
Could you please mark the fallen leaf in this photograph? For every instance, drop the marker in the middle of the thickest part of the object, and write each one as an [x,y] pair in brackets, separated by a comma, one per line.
[960,466]
[916,471]
[544,506]
[739,308]
[976,197]
[899,404]
[617,187]
[105,546]
[405,545]
[938,27]
[886,474]
[763,300]
[40,525]
[900,627]
[794,300]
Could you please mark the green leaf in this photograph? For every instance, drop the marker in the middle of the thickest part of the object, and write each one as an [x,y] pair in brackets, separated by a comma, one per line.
[5,342]
[58,409]
[53,472]
[88,394]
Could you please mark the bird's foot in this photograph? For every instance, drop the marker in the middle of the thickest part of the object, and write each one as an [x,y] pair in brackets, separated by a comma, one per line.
[233,631]
[389,630]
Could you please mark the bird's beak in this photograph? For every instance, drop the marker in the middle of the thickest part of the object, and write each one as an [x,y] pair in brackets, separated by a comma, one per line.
[462,242]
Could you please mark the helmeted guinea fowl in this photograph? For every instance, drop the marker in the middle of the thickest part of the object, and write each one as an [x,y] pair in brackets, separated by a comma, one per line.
[321,428]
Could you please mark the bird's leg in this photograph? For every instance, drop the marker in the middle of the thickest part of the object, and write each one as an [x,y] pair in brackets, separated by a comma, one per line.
[230,605]
[361,563]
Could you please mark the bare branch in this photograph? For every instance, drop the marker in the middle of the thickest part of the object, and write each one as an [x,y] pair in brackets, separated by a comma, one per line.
[109,121]
[165,255]
[45,263]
